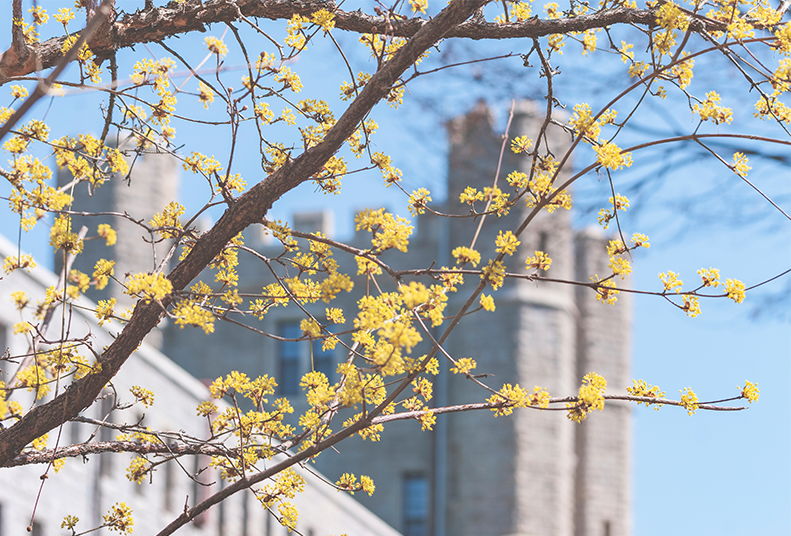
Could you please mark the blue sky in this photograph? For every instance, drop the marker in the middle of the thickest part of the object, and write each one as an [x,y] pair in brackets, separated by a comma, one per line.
[711,473]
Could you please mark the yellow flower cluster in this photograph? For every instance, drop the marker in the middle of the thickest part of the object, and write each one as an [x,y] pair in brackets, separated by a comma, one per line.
[138,468]
[605,290]
[167,223]
[389,232]
[750,391]
[418,6]
[348,482]
[418,201]
[119,519]
[540,261]
[494,273]
[108,233]
[323,18]
[689,400]
[590,397]
[142,395]
[15,263]
[216,46]
[102,272]
[463,365]
[735,290]
[61,237]
[641,388]
[506,243]
[611,156]
[148,286]
[619,202]
[104,310]
[487,302]
[190,313]
[711,109]
[510,397]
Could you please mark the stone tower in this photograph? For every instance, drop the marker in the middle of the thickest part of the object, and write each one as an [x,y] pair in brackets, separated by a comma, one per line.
[152,183]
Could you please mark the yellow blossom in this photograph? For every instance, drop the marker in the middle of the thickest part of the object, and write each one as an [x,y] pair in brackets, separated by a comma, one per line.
[216,46]
[15,263]
[487,302]
[104,310]
[711,277]
[19,92]
[463,366]
[689,400]
[119,518]
[108,233]
[494,273]
[611,156]
[148,286]
[464,255]
[691,306]
[69,522]
[521,144]
[61,236]
[205,94]
[750,391]
[540,261]
[641,388]
[506,242]
[323,18]
[144,396]
[710,109]
[418,201]
[671,281]
[734,290]
[739,164]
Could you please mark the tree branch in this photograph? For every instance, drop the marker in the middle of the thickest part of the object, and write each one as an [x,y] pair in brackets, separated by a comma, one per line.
[173,19]
[247,209]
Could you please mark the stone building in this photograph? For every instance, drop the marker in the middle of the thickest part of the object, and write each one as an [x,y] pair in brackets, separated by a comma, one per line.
[534,473]
[87,487]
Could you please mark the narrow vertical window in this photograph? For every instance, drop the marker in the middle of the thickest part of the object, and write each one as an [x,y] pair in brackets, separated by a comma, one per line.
[543,242]
[106,434]
[170,486]
[323,361]
[288,358]
[416,505]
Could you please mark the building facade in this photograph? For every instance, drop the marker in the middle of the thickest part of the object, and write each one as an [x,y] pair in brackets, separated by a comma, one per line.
[534,473]
[88,487]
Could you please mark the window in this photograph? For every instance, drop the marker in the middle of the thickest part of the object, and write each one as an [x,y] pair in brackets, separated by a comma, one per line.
[170,485]
[106,434]
[288,358]
[416,505]
[323,361]
[294,358]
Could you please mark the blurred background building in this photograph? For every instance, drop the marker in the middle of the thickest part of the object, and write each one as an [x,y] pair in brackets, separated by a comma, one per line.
[534,473]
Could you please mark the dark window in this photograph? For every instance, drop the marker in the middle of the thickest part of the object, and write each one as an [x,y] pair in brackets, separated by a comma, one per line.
[543,242]
[288,358]
[170,485]
[323,361]
[3,348]
[106,434]
[416,505]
